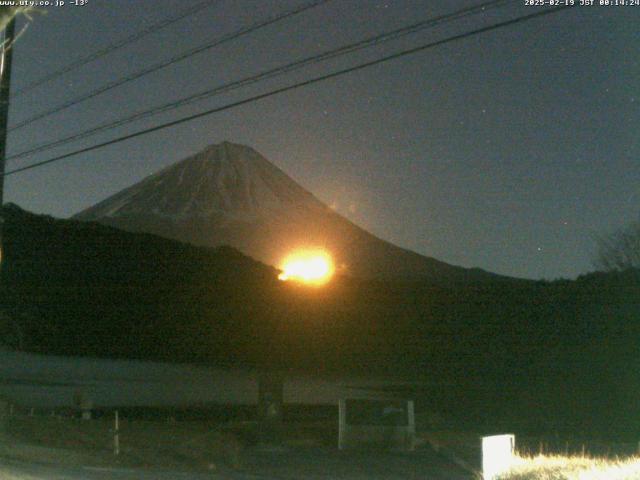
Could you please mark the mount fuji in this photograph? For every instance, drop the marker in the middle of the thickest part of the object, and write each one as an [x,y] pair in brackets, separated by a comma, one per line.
[229,194]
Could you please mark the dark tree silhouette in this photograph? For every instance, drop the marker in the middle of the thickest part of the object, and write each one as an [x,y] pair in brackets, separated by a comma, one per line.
[619,250]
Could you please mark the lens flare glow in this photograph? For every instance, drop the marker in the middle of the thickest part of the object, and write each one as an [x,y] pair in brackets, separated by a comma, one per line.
[313,267]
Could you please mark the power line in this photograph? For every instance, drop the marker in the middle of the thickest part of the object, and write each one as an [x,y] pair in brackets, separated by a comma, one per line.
[175,59]
[295,86]
[290,67]
[116,45]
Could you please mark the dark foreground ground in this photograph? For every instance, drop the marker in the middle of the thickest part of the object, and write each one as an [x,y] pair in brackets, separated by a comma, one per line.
[264,463]
[59,448]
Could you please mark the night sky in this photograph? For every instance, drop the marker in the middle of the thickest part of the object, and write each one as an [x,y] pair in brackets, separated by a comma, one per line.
[510,150]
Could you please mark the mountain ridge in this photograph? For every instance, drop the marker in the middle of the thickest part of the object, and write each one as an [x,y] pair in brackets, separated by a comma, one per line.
[232,183]
[229,194]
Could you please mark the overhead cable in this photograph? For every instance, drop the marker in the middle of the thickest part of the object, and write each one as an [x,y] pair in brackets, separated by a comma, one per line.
[314,80]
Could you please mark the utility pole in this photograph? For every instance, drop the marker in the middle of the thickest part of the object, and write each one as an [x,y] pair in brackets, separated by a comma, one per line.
[5,86]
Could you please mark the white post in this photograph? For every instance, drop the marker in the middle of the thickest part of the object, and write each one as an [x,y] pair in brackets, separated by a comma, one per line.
[411,426]
[116,435]
[342,423]
[497,455]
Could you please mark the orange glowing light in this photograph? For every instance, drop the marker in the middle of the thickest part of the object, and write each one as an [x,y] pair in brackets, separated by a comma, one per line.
[313,267]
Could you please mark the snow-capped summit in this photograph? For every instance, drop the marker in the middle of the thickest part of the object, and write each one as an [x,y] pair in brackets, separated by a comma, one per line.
[227,180]
[229,194]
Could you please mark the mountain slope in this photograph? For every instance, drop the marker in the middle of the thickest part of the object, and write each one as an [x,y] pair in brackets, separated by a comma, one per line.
[564,352]
[229,194]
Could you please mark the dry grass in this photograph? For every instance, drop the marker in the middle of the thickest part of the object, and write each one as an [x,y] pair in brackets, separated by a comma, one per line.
[549,467]
[463,449]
